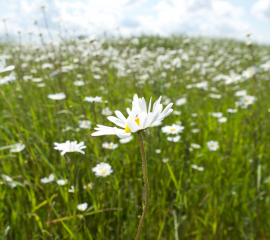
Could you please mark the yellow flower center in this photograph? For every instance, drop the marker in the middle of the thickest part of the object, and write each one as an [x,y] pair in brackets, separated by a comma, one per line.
[127,129]
[251,72]
[246,100]
[233,79]
[89,186]
[212,145]
[110,145]
[172,129]
[104,173]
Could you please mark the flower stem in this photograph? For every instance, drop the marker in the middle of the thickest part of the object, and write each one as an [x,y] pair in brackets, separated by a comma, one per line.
[144,168]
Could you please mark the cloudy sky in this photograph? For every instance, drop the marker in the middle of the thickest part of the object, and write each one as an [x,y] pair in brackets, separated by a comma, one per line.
[222,18]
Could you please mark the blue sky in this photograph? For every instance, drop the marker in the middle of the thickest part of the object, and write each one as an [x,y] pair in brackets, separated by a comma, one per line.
[219,18]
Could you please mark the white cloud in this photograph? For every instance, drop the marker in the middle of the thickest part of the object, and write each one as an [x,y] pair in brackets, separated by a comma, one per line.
[261,9]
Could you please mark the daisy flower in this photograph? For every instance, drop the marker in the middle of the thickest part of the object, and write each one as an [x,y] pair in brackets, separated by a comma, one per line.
[197,168]
[18,147]
[247,100]
[62,182]
[180,101]
[174,129]
[139,118]
[222,120]
[48,180]
[88,186]
[212,145]
[9,180]
[57,96]
[106,111]
[93,99]
[110,145]
[174,139]
[69,147]
[250,72]
[82,207]
[195,145]
[84,124]
[102,169]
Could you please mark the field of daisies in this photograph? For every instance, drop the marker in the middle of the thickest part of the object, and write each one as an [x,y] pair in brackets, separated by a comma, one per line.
[70,161]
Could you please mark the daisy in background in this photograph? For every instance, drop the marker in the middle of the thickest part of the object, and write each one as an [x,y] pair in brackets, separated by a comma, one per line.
[240,93]
[214,95]
[111,145]
[222,120]
[217,114]
[72,189]
[212,145]
[69,147]
[82,207]
[174,129]
[247,100]
[195,145]
[102,169]
[180,101]
[250,72]
[93,99]
[174,139]
[85,124]
[18,147]
[88,186]
[140,118]
[62,182]
[232,79]
[266,66]
[57,96]
[45,180]
[9,181]
[197,168]
[106,111]
[230,110]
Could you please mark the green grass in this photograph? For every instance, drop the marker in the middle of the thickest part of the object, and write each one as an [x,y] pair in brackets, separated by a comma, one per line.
[228,200]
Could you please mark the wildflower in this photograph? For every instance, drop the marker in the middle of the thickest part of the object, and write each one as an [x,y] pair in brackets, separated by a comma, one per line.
[69,147]
[176,112]
[84,124]
[232,79]
[217,114]
[247,100]
[194,114]
[3,67]
[9,180]
[165,160]
[180,101]
[82,207]
[78,83]
[88,186]
[230,110]
[93,99]
[126,140]
[212,145]
[18,147]
[41,85]
[110,145]
[36,80]
[48,180]
[250,72]
[62,182]
[195,130]
[72,189]
[197,168]
[240,93]
[106,111]
[213,95]
[266,66]
[57,96]
[158,151]
[102,169]
[139,118]
[174,129]
[195,145]
[174,139]
[222,120]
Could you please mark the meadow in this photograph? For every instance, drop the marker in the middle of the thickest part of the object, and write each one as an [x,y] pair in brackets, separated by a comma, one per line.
[58,92]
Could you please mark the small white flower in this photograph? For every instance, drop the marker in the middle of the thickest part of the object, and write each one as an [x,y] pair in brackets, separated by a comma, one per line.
[36,80]
[41,85]
[69,147]
[18,147]
[57,96]
[9,180]
[230,110]
[102,170]
[217,114]
[82,207]
[176,112]
[195,145]
[72,189]
[197,168]
[78,83]
[84,124]
[62,182]
[213,95]
[247,100]
[232,79]
[174,139]
[180,101]
[48,180]
[89,186]
[110,145]
[194,114]
[165,160]
[158,151]
[174,129]
[93,99]
[212,145]
[250,72]
[195,130]
[106,111]
[240,93]
[126,140]
[222,120]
